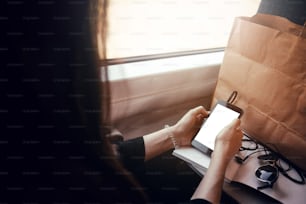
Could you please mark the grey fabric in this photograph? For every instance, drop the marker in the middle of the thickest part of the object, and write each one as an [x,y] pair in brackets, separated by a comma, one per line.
[294,10]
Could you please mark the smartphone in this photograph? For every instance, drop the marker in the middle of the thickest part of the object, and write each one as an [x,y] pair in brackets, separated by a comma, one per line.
[222,115]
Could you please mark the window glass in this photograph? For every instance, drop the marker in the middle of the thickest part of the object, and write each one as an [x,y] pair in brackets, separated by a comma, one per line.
[143,27]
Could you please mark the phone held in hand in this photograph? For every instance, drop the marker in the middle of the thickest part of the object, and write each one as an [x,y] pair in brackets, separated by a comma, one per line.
[222,115]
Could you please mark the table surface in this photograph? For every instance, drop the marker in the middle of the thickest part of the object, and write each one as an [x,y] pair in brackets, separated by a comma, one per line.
[242,193]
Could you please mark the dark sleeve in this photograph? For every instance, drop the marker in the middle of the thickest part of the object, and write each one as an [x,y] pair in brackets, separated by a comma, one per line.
[295,11]
[131,153]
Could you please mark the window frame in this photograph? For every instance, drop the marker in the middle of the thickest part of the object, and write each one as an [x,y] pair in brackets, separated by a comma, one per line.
[116,61]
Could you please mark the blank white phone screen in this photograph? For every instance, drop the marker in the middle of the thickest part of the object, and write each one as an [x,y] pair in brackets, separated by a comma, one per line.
[218,119]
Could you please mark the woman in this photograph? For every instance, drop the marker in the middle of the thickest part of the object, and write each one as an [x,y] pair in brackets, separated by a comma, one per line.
[53,146]
[227,144]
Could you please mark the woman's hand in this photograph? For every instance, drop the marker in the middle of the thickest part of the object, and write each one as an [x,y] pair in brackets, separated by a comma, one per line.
[182,132]
[227,144]
[185,129]
[228,141]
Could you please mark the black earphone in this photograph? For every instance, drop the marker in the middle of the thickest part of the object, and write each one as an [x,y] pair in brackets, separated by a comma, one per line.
[240,160]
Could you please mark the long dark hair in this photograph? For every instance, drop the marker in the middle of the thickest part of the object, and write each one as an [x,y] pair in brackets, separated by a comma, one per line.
[55,109]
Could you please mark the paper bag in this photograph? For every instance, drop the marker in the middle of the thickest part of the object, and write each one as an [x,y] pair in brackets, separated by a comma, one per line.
[265,61]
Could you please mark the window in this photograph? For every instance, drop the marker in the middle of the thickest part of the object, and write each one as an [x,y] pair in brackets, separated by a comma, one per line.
[146,27]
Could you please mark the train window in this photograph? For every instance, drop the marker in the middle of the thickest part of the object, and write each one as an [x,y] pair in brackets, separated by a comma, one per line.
[146,27]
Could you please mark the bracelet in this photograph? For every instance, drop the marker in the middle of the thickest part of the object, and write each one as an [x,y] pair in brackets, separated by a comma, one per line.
[172,138]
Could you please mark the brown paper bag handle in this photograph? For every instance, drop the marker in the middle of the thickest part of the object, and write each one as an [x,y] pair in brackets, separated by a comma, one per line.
[232,97]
